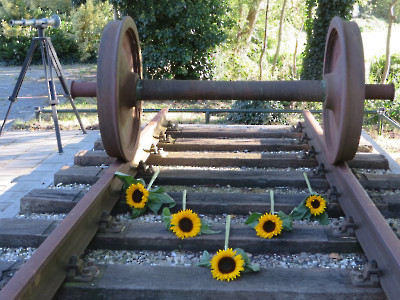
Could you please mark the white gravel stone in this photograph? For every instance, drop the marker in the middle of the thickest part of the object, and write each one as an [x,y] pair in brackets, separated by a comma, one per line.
[186,258]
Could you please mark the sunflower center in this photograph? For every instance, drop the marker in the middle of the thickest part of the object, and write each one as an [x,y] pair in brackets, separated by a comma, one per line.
[226,265]
[269,226]
[315,203]
[137,196]
[185,224]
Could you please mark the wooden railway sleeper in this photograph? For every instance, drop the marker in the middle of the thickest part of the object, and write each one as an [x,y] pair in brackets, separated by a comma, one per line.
[369,277]
[78,271]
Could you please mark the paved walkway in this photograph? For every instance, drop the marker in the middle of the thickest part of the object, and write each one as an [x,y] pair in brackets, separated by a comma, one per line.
[29,159]
[33,90]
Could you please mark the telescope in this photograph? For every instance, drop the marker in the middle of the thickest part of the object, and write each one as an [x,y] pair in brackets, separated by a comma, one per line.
[54,21]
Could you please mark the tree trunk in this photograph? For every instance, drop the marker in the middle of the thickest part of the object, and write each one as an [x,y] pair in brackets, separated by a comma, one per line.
[279,36]
[247,32]
[294,74]
[392,17]
[265,38]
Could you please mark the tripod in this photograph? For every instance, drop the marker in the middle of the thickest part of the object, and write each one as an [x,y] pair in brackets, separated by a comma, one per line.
[50,60]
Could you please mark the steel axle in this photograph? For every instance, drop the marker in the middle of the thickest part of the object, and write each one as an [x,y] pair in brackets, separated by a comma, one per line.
[301,90]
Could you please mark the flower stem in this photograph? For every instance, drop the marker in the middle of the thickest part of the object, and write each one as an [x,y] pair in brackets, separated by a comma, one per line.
[227,229]
[271,197]
[184,200]
[308,183]
[153,178]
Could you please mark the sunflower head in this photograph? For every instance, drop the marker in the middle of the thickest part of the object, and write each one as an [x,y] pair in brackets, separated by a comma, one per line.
[226,265]
[185,223]
[316,204]
[137,195]
[268,226]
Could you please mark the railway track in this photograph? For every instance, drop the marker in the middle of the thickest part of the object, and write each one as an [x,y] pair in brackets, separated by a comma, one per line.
[226,170]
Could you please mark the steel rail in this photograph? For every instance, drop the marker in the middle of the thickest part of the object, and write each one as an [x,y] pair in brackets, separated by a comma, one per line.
[375,236]
[42,275]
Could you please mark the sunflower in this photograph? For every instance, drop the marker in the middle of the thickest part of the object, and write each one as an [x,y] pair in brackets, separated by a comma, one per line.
[226,265]
[185,223]
[268,226]
[137,195]
[316,204]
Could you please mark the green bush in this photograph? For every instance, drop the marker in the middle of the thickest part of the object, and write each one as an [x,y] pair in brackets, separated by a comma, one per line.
[88,21]
[177,37]
[258,118]
[376,70]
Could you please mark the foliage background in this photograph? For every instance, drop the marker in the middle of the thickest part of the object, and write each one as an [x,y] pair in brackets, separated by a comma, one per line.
[188,39]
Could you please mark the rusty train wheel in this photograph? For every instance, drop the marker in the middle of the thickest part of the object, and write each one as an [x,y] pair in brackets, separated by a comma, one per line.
[119,67]
[345,90]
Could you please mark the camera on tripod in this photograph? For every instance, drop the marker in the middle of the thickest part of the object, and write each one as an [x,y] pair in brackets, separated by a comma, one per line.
[50,62]
[54,22]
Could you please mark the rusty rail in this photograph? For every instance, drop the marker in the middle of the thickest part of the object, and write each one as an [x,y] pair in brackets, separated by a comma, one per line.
[42,275]
[375,236]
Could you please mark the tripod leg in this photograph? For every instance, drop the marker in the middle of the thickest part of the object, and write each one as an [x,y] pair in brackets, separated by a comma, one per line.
[56,126]
[18,84]
[57,66]
[51,91]
[6,117]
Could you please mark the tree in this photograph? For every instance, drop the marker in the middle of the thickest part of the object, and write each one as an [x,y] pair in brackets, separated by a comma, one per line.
[279,36]
[177,37]
[264,48]
[392,18]
[244,36]
[316,33]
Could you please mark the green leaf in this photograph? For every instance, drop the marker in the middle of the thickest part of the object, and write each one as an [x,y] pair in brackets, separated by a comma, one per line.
[251,268]
[205,229]
[301,211]
[136,212]
[252,220]
[166,217]
[248,265]
[158,190]
[287,221]
[129,179]
[154,204]
[323,218]
[163,197]
[205,260]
